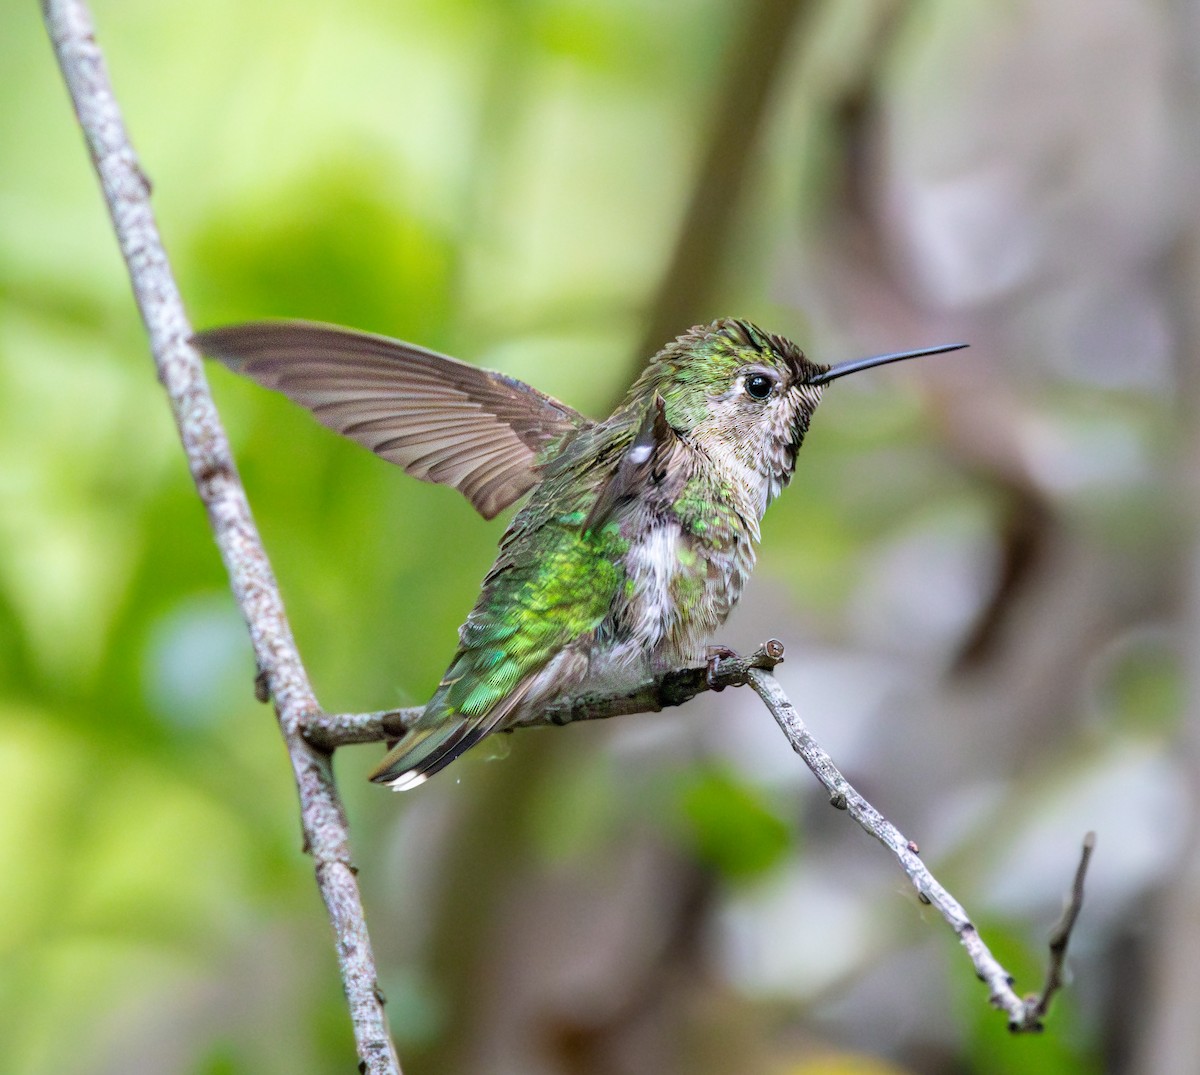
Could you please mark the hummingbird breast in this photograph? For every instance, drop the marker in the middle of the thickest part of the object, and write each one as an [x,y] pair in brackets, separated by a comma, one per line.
[690,555]
[681,593]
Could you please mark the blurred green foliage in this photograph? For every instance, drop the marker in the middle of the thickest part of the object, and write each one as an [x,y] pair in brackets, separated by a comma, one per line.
[730,826]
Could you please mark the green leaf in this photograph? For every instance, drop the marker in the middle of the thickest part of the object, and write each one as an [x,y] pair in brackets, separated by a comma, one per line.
[731,825]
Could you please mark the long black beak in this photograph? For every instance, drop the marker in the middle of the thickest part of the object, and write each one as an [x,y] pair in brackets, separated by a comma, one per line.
[879,360]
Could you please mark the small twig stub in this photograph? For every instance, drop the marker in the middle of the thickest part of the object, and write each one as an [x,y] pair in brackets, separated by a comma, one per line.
[1037,1006]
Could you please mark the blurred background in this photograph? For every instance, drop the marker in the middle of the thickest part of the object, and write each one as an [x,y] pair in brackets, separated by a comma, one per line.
[986,572]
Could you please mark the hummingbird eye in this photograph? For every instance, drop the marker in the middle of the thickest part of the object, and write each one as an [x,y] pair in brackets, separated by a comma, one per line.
[759,385]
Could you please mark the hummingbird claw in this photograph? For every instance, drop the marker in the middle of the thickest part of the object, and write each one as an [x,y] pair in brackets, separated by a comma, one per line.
[714,655]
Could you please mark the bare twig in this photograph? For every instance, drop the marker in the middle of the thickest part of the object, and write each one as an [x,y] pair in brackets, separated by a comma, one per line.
[1060,936]
[1024,1015]
[127,193]
[675,688]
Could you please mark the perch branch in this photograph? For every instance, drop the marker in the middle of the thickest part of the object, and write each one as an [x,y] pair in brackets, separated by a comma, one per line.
[127,193]
[1024,1014]
[679,686]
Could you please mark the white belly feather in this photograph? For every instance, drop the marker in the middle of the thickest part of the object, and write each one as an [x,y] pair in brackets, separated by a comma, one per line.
[654,563]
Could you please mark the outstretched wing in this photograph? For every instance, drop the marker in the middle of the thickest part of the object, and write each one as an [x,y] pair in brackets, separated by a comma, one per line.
[440,419]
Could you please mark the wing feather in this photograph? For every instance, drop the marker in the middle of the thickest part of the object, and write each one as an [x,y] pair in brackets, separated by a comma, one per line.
[440,419]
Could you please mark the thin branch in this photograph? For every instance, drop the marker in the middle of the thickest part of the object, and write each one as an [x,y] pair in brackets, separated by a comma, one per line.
[323,821]
[676,687]
[1024,1015]
[1060,936]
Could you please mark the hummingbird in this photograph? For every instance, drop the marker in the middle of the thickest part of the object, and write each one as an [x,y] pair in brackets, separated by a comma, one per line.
[639,533]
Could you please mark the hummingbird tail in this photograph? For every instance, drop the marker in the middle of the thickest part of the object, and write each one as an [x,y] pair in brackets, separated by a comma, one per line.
[423,752]
[447,728]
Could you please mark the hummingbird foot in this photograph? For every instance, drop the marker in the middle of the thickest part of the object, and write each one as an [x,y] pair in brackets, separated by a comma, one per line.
[714,655]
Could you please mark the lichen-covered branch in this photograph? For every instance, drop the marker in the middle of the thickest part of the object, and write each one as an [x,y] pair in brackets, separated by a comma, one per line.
[127,194]
[1024,1014]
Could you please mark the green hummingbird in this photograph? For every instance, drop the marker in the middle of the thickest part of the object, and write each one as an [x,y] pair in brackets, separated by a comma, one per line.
[640,530]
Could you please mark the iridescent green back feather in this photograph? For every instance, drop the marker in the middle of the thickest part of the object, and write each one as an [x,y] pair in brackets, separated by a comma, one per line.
[553,584]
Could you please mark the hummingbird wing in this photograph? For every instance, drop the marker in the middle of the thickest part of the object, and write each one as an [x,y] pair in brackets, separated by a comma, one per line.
[442,420]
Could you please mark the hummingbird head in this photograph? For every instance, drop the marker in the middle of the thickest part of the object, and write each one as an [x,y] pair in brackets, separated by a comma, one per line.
[745,396]
[742,395]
